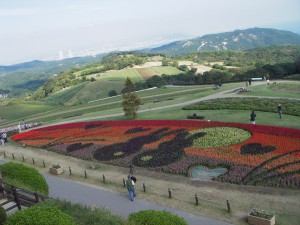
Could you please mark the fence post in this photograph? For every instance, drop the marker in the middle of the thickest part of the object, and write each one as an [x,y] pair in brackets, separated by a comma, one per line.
[13,156]
[85,175]
[196,198]
[33,161]
[103,178]
[228,206]
[23,158]
[44,163]
[4,154]
[37,200]
[170,193]
[144,187]
[15,194]
[70,171]
[124,184]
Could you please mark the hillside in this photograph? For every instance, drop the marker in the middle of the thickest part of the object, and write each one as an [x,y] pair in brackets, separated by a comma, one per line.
[29,76]
[236,40]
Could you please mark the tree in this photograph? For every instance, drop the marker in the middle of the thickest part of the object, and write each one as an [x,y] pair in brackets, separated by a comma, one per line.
[131,100]
[112,93]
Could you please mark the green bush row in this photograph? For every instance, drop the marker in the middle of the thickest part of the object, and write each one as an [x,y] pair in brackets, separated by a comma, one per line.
[153,217]
[38,215]
[86,216]
[289,106]
[25,177]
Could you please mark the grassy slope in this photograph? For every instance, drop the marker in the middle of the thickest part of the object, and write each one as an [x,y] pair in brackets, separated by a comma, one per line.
[15,112]
[283,90]
[64,96]
[168,70]
[114,80]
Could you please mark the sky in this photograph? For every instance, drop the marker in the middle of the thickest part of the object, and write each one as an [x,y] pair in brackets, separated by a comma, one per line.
[40,29]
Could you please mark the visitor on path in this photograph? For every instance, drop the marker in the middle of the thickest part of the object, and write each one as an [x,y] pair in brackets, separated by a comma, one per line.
[252,117]
[130,188]
[4,135]
[279,110]
[131,169]
[19,128]
[1,140]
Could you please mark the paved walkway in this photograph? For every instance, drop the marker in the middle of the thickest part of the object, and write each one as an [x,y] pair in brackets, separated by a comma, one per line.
[116,202]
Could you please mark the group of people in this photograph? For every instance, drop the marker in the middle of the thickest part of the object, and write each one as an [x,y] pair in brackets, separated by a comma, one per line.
[3,138]
[253,115]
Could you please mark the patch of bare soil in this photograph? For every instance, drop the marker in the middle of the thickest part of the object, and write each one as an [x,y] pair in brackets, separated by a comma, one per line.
[212,195]
[146,73]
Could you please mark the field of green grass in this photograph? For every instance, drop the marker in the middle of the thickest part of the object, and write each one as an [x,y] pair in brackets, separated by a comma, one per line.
[18,112]
[63,97]
[159,97]
[121,75]
[283,90]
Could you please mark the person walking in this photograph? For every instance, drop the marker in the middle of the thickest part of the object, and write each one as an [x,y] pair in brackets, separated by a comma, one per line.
[1,140]
[130,188]
[279,110]
[4,135]
[252,117]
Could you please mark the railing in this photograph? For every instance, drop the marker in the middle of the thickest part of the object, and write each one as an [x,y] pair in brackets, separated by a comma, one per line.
[196,199]
[19,196]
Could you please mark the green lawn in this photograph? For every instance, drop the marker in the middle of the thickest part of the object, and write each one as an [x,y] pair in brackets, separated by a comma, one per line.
[121,75]
[241,116]
[23,111]
[283,90]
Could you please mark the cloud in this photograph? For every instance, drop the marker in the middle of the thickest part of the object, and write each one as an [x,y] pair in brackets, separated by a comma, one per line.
[19,12]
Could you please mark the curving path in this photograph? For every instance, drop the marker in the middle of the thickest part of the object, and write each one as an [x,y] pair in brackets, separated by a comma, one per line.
[117,203]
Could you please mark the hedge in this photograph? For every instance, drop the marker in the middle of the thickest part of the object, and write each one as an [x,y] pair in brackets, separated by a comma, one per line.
[38,215]
[25,177]
[84,215]
[154,217]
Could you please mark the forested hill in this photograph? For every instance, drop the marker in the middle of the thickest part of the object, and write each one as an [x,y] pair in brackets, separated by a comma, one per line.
[236,40]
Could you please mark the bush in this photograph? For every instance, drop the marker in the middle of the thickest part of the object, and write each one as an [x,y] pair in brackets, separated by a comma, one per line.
[39,215]
[25,177]
[83,215]
[195,117]
[153,217]
[2,215]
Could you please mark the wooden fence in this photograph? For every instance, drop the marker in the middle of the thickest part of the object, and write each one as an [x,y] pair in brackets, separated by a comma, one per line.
[16,197]
[195,199]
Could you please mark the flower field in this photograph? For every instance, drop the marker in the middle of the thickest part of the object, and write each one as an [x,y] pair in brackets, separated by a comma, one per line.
[253,154]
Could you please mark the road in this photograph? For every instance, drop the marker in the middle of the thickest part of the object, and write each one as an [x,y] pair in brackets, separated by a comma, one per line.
[116,202]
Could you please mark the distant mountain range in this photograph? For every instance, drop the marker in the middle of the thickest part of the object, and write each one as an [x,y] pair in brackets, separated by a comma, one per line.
[236,40]
[69,62]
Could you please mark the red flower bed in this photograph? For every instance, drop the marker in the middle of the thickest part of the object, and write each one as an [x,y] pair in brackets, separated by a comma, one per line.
[269,157]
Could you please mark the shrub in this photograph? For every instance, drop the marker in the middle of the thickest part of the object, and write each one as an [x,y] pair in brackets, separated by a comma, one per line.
[154,217]
[25,177]
[2,215]
[83,215]
[39,215]
[195,117]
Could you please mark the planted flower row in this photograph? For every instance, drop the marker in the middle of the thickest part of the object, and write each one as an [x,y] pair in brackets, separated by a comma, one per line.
[176,146]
